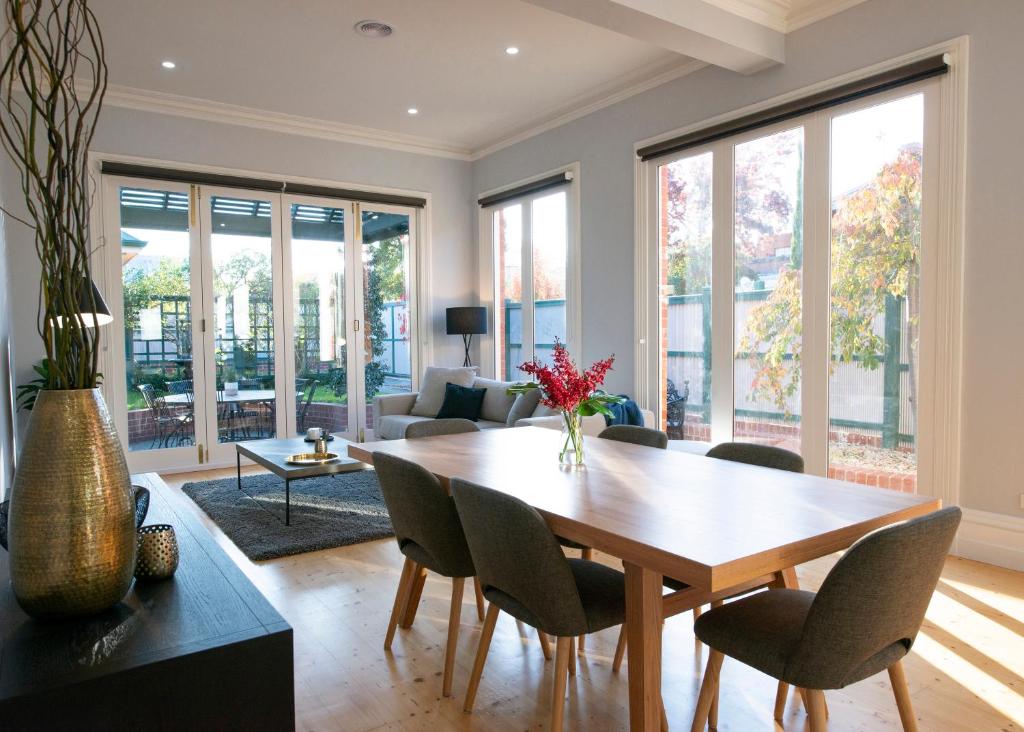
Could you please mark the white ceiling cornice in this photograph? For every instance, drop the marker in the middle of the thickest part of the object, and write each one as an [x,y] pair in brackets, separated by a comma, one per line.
[814,10]
[205,109]
[785,16]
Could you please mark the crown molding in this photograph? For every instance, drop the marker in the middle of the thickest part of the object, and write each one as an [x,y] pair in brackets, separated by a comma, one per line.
[583,105]
[204,109]
[769,13]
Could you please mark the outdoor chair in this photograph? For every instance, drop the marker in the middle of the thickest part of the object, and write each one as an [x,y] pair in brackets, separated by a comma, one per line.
[863,620]
[168,425]
[307,388]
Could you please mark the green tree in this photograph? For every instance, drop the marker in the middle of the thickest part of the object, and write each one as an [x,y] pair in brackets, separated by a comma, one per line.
[143,290]
[875,252]
[383,282]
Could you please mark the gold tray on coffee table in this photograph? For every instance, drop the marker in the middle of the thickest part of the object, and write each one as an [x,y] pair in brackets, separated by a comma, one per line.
[311,458]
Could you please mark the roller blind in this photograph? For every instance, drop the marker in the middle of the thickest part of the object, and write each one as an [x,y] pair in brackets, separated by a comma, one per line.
[526,189]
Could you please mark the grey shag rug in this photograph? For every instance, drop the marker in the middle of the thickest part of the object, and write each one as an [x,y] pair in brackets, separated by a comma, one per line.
[326,512]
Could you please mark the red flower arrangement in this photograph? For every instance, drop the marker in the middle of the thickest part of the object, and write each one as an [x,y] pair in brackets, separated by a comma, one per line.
[574,393]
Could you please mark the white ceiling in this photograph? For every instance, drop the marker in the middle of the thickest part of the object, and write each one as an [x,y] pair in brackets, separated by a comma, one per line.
[446,57]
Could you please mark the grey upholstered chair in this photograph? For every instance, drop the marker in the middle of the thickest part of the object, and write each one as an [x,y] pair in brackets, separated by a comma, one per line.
[435,427]
[863,620]
[753,454]
[430,536]
[636,435]
[525,573]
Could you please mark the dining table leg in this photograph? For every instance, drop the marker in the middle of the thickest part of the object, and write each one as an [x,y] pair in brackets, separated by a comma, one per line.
[643,633]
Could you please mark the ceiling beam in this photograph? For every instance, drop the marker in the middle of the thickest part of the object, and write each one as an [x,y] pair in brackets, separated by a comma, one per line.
[695,28]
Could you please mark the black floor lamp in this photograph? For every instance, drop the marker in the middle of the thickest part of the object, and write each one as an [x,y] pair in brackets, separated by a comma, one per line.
[466,322]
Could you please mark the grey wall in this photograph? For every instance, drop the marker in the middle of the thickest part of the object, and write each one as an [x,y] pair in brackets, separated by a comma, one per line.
[992,461]
[186,141]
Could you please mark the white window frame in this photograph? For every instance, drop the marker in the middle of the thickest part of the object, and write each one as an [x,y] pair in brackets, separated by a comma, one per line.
[107,273]
[939,391]
[487,285]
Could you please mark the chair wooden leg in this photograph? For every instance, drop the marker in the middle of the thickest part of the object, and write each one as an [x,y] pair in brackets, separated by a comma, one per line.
[620,650]
[415,593]
[481,656]
[898,679]
[545,644]
[707,691]
[400,598]
[563,659]
[713,712]
[572,656]
[454,618]
[816,709]
[781,695]
[588,554]
[478,591]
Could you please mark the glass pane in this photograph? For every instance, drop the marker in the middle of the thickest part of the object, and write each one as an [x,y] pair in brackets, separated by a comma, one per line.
[768,267]
[876,163]
[508,238]
[318,296]
[550,251]
[387,320]
[685,244]
[243,317]
[156,276]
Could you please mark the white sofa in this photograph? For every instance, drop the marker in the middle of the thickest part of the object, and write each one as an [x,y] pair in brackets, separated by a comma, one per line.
[393,413]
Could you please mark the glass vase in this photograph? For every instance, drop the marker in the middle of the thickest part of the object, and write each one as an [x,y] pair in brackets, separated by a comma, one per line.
[572,436]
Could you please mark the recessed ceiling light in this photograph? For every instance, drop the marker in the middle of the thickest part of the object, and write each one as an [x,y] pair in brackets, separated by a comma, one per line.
[512,50]
[168,64]
[413,110]
[373,29]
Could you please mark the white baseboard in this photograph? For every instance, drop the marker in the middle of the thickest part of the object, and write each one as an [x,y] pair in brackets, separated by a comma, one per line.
[993,538]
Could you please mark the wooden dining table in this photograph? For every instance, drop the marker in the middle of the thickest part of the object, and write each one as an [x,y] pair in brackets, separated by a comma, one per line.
[719,526]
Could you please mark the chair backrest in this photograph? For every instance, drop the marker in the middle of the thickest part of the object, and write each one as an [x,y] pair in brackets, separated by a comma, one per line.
[516,554]
[434,427]
[149,395]
[182,387]
[636,435]
[763,455]
[424,514]
[871,605]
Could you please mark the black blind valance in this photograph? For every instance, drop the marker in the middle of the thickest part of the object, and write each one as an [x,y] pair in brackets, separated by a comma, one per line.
[917,71]
[257,184]
[526,189]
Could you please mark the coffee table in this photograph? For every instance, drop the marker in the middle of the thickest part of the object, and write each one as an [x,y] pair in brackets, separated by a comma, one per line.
[271,454]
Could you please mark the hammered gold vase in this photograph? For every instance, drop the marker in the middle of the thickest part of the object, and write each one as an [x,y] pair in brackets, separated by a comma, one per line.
[71,528]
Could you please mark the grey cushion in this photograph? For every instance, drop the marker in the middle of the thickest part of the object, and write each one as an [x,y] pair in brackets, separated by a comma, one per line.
[761,630]
[392,426]
[497,401]
[543,410]
[864,618]
[602,591]
[436,427]
[524,406]
[431,394]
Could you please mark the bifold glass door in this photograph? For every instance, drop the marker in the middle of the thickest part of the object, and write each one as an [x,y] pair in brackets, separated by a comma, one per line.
[789,265]
[248,316]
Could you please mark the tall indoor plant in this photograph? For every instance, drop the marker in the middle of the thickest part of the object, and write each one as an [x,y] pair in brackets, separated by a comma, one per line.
[573,393]
[71,526]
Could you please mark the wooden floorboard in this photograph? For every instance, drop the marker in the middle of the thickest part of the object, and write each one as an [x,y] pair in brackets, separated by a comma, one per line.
[966,671]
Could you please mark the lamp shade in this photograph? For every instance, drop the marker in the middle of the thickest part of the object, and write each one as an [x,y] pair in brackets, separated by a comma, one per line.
[89,295]
[466,321]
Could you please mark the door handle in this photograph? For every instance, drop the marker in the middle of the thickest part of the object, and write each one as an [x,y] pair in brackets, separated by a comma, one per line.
[355,325]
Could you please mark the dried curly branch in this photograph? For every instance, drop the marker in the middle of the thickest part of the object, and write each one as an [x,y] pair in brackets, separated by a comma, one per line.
[52,83]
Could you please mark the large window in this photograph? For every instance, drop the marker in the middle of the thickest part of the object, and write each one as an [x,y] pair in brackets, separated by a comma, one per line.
[789,301]
[530,237]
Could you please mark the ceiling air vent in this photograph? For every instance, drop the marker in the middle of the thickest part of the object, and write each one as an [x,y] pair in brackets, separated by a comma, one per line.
[373,29]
